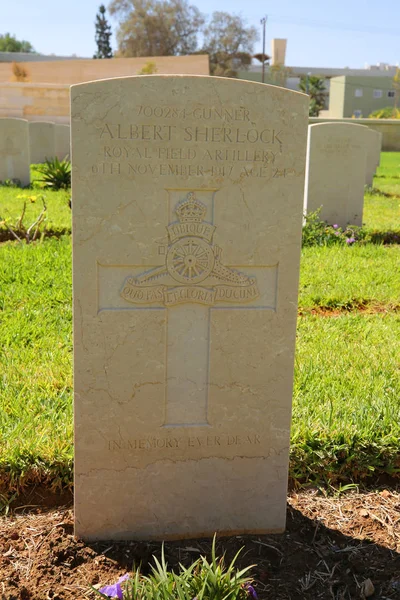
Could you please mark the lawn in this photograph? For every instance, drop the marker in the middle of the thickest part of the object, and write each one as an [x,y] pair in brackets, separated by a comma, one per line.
[12,200]
[35,358]
[345,278]
[347,376]
[346,403]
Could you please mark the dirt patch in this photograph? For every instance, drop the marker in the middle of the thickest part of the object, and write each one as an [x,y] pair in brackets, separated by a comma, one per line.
[7,236]
[354,307]
[330,548]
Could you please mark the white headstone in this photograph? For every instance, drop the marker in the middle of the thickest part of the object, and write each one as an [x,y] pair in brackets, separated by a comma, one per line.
[14,150]
[336,171]
[187,214]
[42,141]
[62,141]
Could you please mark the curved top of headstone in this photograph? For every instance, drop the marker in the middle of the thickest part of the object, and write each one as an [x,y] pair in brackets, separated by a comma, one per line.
[13,120]
[118,94]
[37,123]
[337,124]
[199,78]
[355,130]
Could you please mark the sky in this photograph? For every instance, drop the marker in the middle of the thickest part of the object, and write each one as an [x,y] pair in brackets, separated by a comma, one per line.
[340,33]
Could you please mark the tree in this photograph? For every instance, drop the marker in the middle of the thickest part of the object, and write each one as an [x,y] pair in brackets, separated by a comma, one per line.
[156,27]
[103,35]
[315,87]
[229,42]
[9,43]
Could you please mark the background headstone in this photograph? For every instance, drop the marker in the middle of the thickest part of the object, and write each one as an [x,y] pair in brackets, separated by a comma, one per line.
[42,141]
[373,154]
[62,141]
[187,214]
[378,148]
[14,150]
[336,172]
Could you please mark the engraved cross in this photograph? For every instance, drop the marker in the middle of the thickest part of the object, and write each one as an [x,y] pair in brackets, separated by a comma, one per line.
[190,283]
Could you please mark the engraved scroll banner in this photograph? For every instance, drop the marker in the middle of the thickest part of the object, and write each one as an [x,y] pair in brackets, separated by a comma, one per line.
[138,294]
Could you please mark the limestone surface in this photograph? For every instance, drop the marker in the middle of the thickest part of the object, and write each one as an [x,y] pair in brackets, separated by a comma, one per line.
[42,141]
[336,171]
[187,215]
[62,141]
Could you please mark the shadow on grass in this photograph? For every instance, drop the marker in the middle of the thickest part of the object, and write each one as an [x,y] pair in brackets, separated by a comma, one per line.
[7,236]
[384,237]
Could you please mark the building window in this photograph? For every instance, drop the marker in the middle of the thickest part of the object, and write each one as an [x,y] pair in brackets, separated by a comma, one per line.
[391,94]
[377,93]
[357,114]
[358,93]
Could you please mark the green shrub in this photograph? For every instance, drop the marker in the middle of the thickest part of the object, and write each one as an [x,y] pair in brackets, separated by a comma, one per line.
[19,230]
[12,183]
[319,233]
[148,69]
[203,580]
[390,112]
[56,174]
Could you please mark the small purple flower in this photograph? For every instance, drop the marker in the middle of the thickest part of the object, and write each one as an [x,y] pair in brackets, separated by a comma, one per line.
[115,590]
[251,591]
[337,232]
[350,240]
[336,226]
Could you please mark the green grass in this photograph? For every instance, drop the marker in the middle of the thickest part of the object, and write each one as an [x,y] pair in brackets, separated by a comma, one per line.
[58,219]
[382,213]
[337,277]
[390,165]
[388,186]
[347,380]
[35,361]
[346,397]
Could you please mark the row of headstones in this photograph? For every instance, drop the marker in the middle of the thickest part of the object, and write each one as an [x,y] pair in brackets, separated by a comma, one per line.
[341,159]
[23,143]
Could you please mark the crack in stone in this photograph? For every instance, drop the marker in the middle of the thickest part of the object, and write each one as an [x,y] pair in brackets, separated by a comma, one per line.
[266,456]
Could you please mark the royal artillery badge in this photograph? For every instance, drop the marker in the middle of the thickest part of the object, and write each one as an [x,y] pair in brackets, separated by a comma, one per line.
[192,271]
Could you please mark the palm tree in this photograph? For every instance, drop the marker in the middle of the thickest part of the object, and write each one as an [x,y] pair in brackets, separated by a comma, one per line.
[315,87]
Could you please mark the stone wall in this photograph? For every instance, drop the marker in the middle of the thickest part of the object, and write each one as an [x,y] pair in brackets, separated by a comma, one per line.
[35,102]
[79,71]
[389,128]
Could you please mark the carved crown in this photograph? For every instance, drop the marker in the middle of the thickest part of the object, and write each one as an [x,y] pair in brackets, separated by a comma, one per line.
[191,210]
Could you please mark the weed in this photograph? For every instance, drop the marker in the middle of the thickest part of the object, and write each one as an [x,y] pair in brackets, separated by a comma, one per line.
[19,230]
[203,580]
[56,174]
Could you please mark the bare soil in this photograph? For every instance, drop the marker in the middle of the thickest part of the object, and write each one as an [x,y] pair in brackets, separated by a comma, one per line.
[336,548]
